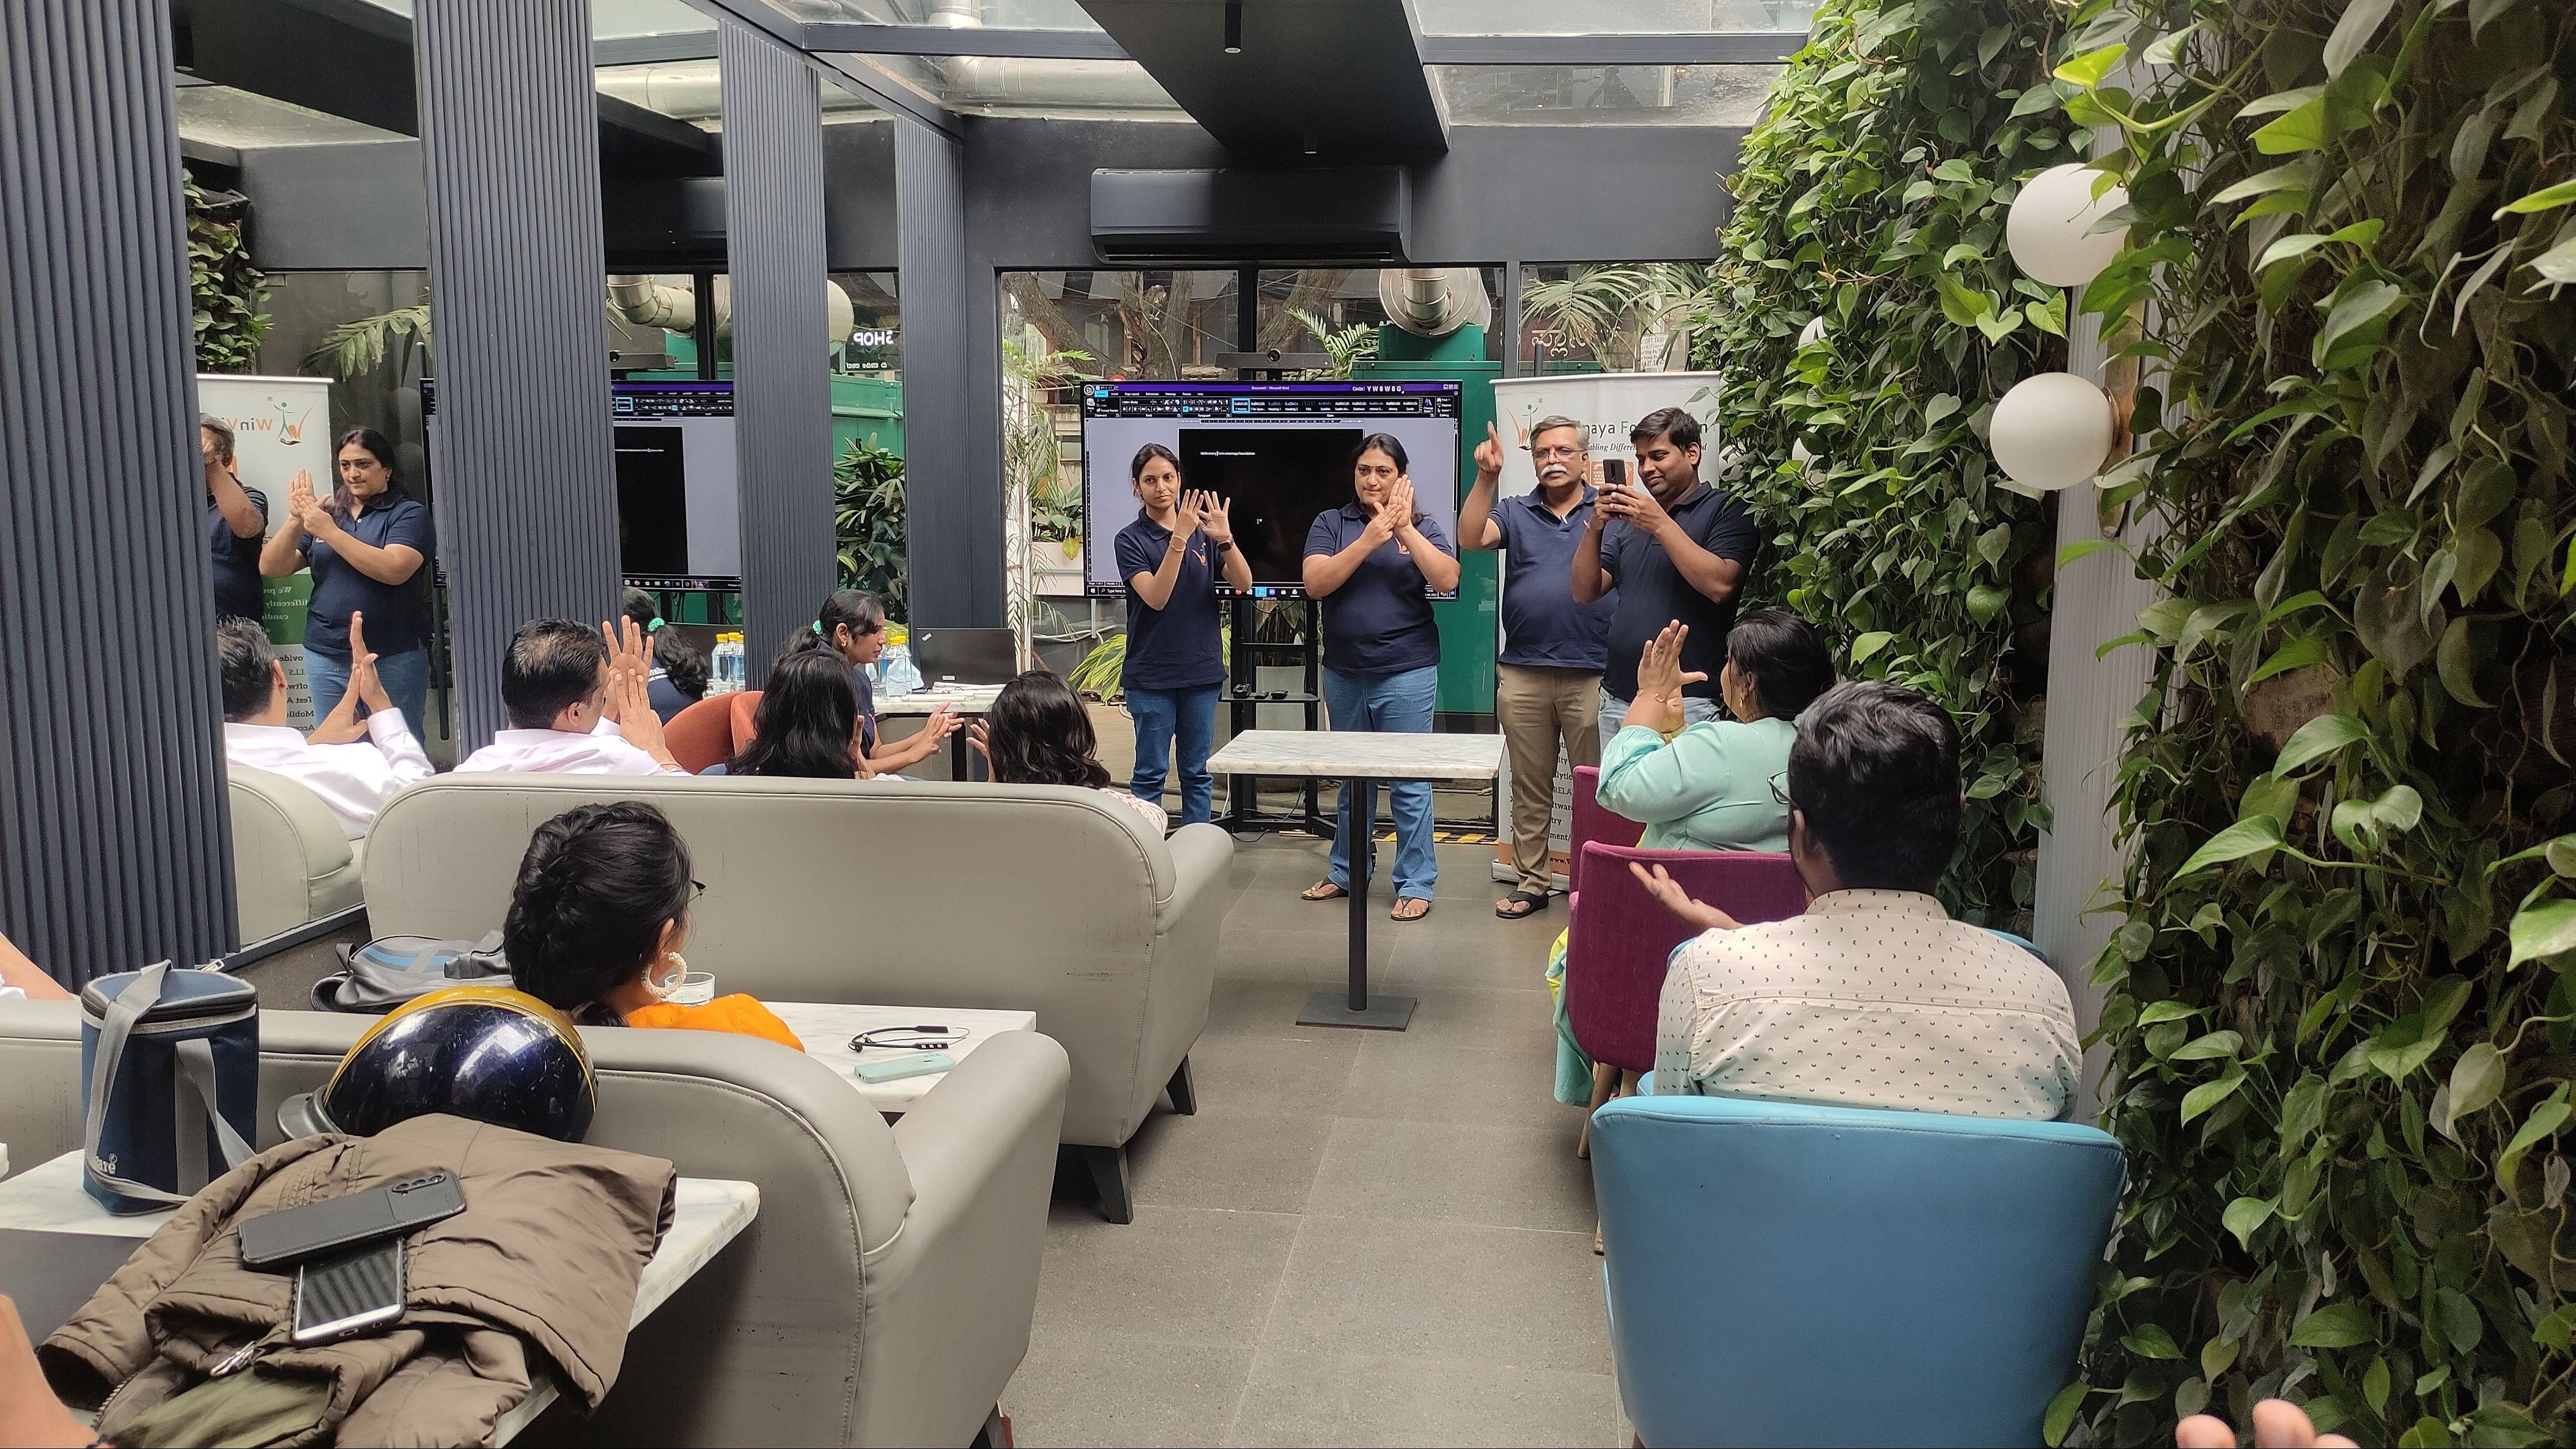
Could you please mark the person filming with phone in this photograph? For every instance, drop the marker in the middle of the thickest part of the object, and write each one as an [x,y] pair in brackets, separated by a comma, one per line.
[1676,550]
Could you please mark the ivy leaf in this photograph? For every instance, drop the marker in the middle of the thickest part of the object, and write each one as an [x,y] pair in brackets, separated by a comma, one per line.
[2151,1340]
[2303,128]
[2273,104]
[2061,1413]
[2361,20]
[2479,553]
[2215,1044]
[2456,663]
[2164,1011]
[1962,305]
[2048,316]
[2458,1318]
[2166,50]
[2083,548]
[2356,309]
[2295,175]
[2544,1120]
[2542,930]
[2237,841]
[2318,738]
[2337,1325]
[2298,653]
[2241,1218]
[2545,199]
[1867,645]
[1985,601]
[2558,264]
[2269,795]
[2209,1094]
[2087,70]
[2477,1079]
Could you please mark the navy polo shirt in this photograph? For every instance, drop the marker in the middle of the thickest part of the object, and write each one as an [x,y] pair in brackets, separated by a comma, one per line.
[1177,645]
[1543,627]
[397,614]
[867,689]
[1653,593]
[1379,620]
[237,587]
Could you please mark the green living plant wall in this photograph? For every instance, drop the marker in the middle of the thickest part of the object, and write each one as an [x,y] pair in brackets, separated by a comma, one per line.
[1872,197]
[2341,1033]
[226,290]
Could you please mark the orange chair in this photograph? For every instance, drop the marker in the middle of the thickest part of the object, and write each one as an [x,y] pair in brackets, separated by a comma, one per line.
[702,734]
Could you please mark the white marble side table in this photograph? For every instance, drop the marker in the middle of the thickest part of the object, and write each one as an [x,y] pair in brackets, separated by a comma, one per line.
[1360,759]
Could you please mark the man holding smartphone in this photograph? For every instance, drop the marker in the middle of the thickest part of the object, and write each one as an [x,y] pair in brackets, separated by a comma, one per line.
[1676,550]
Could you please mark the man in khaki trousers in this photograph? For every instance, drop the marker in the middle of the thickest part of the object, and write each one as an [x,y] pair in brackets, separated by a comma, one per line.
[1548,679]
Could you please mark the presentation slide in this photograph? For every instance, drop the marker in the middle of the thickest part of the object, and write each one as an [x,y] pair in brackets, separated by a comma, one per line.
[678,500]
[1279,453]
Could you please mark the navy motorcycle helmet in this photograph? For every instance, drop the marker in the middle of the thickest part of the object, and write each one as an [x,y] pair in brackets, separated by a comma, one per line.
[483,1052]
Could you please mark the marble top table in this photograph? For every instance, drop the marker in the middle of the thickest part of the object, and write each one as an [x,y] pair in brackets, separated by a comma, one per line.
[1360,758]
[966,700]
[47,1200]
[826,1027]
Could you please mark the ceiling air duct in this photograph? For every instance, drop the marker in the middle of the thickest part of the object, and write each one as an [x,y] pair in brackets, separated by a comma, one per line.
[1238,216]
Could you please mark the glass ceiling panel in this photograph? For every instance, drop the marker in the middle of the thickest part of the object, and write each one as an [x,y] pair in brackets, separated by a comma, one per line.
[1604,95]
[616,19]
[983,85]
[1612,17]
[242,121]
[954,14]
[692,91]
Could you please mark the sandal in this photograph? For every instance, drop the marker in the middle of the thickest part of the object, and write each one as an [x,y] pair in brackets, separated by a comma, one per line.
[1530,903]
[1421,908]
[1322,890]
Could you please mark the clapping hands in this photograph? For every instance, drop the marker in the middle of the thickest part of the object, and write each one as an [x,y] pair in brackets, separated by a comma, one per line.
[303,506]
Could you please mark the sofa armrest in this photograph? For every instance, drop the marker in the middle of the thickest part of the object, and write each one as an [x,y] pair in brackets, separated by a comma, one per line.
[1201,856]
[950,1298]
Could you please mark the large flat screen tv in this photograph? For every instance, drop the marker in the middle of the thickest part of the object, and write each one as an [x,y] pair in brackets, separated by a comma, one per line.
[1278,452]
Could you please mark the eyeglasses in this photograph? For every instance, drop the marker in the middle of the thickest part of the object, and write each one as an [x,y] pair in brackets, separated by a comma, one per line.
[697,888]
[1780,790]
[1549,455]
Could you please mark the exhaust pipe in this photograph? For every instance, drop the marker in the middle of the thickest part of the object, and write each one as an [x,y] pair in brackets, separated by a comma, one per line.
[1434,301]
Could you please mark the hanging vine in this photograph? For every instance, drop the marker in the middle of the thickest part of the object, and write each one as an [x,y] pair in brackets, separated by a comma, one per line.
[227,290]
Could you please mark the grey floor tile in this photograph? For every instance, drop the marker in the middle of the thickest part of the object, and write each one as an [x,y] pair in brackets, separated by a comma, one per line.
[1302,1075]
[1325,1399]
[1510,1085]
[1250,1162]
[1110,1389]
[1503,1296]
[1181,1275]
[1251,1006]
[1304,951]
[1456,1014]
[1505,1177]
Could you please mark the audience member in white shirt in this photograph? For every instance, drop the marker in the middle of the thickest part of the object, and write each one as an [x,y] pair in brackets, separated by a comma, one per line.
[355,766]
[578,705]
[24,980]
[1874,997]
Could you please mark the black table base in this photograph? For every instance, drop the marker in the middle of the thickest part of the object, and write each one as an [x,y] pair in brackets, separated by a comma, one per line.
[1356,1008]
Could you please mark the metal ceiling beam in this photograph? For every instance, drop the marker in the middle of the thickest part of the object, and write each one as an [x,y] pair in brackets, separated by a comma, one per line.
[1735,48]
[864,82]
[824,36]
[1335,79]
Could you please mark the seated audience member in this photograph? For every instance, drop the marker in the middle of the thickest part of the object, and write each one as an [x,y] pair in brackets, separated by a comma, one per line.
[1874,997]
[679,675]
[1038,733]
[807,724]
[355,766]
[1715,785]
[852,624]
[24,980]
[577,706]
[597,920]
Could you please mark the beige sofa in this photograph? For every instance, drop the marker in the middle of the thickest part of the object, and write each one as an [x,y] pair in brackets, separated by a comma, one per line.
[1045,899]
[291,862]
[882,1297]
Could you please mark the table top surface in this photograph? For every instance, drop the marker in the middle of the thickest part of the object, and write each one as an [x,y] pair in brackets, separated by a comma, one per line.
[1360,754]
[825,1027]
[708,1213]
[963,698]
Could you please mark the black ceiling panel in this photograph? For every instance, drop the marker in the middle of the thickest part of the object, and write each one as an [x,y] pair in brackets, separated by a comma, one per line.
[1340,80]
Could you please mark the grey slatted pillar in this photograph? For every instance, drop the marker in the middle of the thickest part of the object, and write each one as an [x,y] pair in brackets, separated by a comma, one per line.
[952,486]
[773,126]
[527,482]
[114,848]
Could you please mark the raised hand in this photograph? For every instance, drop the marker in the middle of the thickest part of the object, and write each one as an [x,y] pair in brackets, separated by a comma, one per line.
[943,722]
[1399,503]
[1636,503]
[1381,526]
[980,736]
[632,708]
[364,683]
[1669,894]
[1186,513]
[1216,519]
[1489,455]
[307,510]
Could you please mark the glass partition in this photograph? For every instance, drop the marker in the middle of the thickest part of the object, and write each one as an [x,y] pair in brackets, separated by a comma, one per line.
[1627,95]
[951,14]
[1611,17]
[986,85]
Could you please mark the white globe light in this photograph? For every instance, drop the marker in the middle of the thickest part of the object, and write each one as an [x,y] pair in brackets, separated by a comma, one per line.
[2050,229]
[1814,329]
[1798,451]
[2053,430]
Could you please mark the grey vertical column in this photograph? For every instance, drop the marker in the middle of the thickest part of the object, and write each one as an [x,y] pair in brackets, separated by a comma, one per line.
[773,126]
[113,825]
[527,483]
[953,480]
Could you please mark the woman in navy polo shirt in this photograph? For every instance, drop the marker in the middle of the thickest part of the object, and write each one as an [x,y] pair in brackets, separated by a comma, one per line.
[1170,557]
[369,549]
[1371,563]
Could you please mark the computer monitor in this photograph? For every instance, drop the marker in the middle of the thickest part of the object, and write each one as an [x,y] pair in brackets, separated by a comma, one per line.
[1278,452]
[679,521]
[952,657]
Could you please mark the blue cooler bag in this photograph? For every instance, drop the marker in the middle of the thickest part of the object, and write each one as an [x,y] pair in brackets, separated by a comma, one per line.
[169,1083]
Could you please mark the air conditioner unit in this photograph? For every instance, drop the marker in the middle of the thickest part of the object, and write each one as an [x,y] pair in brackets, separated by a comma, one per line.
[1355,214]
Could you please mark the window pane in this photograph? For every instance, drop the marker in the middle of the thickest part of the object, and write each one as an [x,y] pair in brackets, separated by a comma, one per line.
[1628,95]
[987,85]
[953,14]
[1612,17]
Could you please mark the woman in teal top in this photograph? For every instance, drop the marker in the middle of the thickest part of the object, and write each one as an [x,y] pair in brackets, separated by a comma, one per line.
[1716,784]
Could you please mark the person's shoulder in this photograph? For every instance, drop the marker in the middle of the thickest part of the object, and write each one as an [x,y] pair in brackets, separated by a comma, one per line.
[1723,961]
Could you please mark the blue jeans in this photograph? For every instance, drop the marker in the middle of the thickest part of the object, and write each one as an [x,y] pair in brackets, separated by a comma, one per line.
[405,677]
[1164,716]
[1395,703]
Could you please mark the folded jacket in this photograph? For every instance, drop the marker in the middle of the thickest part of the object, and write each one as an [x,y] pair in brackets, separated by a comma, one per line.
[548,1251]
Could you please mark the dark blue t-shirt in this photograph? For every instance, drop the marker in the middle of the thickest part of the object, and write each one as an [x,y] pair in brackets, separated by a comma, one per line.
[1176,646]
[237,587]
[1379,620]
[1653,593]
[1543,628]
[397,614]
[867,689]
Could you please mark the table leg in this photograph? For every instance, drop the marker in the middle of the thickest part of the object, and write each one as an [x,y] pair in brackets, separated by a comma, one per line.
[960,767]
[1355,1008]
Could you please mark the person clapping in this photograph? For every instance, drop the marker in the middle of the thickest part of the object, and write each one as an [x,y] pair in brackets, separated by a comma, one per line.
[366,545]
[578,705]
[357,766]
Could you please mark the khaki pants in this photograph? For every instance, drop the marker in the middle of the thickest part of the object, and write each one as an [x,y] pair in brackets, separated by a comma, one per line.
[1538,710]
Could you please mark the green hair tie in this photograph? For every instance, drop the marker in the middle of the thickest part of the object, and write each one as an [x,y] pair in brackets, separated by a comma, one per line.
[654,628]
[818,626]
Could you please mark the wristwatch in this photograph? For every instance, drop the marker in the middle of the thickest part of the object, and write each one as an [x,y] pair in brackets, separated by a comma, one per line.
[1225,545]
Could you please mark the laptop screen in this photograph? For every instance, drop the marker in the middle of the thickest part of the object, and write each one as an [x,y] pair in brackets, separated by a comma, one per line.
[966,656]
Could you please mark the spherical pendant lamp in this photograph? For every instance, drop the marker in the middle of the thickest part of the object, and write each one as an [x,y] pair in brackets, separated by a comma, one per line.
[2050,228]
[1814,329]
[2053,430]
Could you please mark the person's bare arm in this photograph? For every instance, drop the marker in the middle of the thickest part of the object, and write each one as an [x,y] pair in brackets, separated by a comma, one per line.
[1156,588]
[1326,572]
[1591,580]
[232,500]
[905,753]
[1477,530]
[1697,914]
[1217,522]
[29,1412]
[283,554]
[16,970]
[1439,566]
[392,563]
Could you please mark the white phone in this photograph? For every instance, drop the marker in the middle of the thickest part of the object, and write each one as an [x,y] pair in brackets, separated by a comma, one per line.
[349,1293]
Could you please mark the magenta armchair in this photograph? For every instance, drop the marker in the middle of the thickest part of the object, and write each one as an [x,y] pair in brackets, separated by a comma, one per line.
[1591,823]
[1621,937]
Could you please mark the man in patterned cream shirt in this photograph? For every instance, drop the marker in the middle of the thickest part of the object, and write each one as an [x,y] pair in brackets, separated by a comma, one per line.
[1874,997]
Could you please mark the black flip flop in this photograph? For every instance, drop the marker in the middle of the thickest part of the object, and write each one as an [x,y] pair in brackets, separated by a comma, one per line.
[1535,902]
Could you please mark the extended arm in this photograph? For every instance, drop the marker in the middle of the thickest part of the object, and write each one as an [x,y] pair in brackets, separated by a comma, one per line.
[233,501]
[1476,529]
[1713,577]
[1439,566]
[1590,580]
[16,970]
[394,563]
[1326,572]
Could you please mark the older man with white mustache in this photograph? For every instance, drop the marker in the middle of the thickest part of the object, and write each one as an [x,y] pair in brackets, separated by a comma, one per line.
[1548,678]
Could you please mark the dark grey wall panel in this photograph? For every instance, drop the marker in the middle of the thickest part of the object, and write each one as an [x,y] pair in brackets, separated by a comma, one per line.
[357,206]
[114,846]
[858,194]
[951,382]
[527,487]
[773,121]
